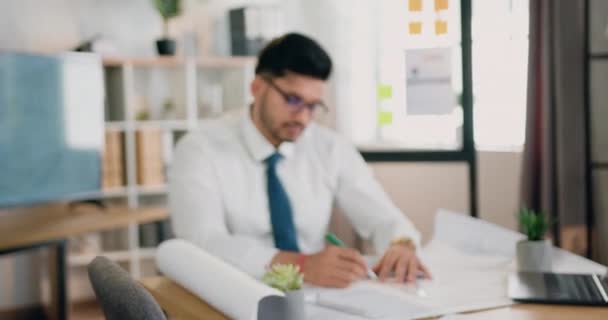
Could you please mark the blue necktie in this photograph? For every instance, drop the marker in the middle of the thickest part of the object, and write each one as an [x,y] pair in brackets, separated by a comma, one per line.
[281,217]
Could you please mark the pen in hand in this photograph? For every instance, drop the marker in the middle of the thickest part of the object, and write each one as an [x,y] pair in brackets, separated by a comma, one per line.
[331,238]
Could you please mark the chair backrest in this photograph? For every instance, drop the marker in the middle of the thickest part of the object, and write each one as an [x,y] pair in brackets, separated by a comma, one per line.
[120,297]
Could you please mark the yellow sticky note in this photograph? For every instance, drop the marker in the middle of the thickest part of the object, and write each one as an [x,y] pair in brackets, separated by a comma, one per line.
[415,5]
[415,27]
[441,5]
[385,91]
[385,118]
[441,27]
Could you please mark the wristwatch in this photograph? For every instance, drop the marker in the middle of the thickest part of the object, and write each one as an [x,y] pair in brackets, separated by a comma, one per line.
[405,241]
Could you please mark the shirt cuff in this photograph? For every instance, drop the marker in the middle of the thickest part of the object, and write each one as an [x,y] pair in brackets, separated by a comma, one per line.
[257,260]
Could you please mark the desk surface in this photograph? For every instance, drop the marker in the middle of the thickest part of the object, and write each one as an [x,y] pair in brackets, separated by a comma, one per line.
[181,304]
[28,227]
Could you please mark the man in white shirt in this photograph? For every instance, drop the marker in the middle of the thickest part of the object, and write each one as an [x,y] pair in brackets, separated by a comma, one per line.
[259,190]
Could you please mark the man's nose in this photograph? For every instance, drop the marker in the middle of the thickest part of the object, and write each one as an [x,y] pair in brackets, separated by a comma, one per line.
[303,115]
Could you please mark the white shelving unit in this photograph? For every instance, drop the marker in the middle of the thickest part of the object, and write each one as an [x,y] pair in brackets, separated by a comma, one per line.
[135,84]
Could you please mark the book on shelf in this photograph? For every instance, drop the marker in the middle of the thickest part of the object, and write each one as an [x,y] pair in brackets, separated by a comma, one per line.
[152,234]
[115,240]
[112,160]
[149,157]
[148,235]
[167,147]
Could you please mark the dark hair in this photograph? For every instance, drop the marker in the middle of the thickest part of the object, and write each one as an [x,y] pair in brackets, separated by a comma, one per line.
[296,53]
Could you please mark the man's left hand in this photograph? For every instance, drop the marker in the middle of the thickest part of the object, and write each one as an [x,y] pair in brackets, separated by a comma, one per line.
[401,260]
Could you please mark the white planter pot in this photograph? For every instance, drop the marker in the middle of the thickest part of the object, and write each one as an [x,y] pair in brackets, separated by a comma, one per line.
[534,255]
[296,308]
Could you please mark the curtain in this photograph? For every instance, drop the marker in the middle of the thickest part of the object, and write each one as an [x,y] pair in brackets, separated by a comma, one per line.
[554,176]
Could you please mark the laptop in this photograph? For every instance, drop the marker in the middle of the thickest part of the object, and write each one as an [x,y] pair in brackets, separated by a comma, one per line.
[559,288]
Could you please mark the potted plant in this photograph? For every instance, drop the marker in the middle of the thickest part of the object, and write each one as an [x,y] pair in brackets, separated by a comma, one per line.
[288,279]
[534,253]
[167,9]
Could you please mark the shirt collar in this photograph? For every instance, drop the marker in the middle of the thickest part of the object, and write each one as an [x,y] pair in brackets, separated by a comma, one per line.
[258,146]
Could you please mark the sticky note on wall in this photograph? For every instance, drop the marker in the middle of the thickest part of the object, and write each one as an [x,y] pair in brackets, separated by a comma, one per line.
[415,5]
[385,118]
[441,5]
[415,27]
[385,91]
[441,27]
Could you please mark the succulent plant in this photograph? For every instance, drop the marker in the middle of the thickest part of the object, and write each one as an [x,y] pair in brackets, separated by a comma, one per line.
[534,224]
[284,277]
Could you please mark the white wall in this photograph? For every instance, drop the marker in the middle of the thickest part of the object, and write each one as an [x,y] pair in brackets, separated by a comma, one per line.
[56,25]
[131,26]
[419,189]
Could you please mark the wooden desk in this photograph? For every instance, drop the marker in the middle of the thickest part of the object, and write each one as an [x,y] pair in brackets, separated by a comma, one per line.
[59,222]
[50,227]
[178,302]
[182,305]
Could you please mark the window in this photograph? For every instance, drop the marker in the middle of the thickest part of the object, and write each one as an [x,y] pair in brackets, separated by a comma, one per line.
[422,111]
[419,77]
[500,63]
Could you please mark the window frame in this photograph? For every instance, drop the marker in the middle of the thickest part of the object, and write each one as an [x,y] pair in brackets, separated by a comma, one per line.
[467,153]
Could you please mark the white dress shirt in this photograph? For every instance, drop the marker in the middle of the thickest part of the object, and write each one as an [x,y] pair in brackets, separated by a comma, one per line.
[218,198]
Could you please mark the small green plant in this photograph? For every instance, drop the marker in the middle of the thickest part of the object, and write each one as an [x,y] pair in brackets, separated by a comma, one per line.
[533,224]
[168,9]
[284,277]
[142,115]
[168,109]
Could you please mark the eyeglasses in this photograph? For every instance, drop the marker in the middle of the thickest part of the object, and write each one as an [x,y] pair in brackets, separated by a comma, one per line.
[294,102]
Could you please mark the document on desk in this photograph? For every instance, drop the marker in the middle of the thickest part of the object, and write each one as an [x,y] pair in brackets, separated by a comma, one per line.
[468,275]
[461,283]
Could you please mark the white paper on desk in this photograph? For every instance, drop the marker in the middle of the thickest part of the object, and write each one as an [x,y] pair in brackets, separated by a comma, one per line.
[473,235]
[470,260]
[226,288]
[462,282]
[470,271]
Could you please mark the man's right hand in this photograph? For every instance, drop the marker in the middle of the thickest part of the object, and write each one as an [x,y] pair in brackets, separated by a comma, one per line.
[335,267]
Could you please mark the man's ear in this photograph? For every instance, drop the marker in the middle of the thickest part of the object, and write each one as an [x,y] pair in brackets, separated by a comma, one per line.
[256,86]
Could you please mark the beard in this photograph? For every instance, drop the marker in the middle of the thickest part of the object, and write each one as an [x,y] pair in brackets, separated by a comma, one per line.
[288,131]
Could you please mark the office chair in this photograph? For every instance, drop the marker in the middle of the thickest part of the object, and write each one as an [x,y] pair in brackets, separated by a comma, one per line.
[121,297]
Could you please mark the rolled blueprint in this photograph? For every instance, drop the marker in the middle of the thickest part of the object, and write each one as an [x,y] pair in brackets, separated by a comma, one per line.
[221,285]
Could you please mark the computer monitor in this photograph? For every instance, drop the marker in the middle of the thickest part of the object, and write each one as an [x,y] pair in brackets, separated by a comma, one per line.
[51,126]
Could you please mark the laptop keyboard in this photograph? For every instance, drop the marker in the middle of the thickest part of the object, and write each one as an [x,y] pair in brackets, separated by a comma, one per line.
[572,287]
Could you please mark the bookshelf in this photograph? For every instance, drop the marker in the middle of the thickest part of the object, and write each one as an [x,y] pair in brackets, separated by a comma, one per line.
[150,104]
